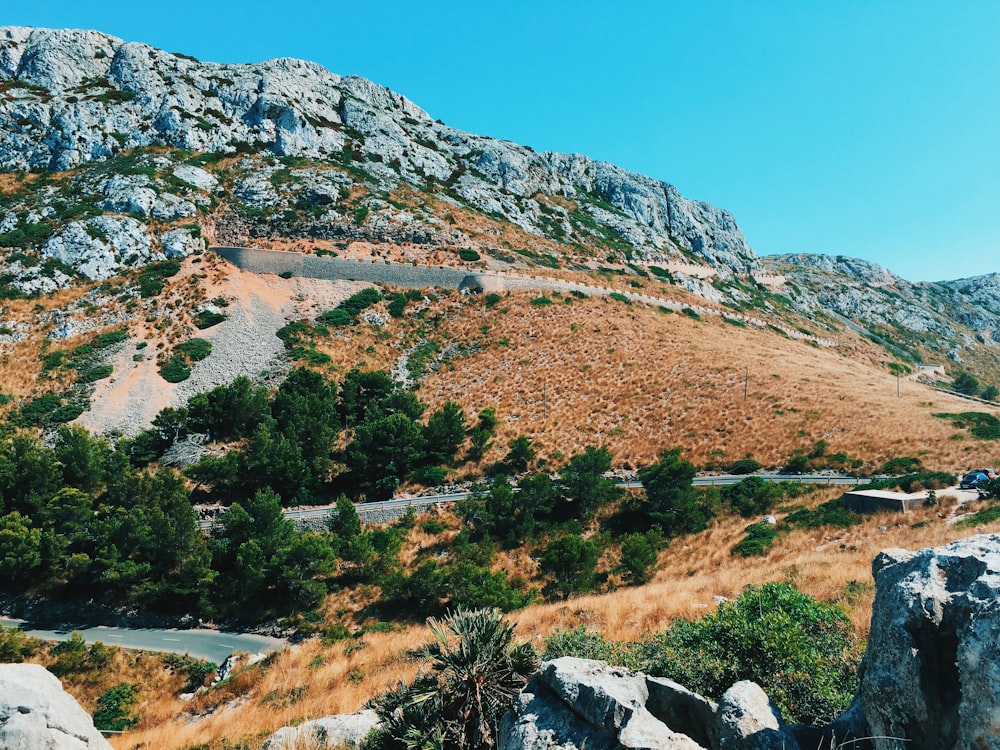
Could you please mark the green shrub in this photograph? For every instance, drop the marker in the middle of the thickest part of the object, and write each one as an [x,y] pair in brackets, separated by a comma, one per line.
[541,301]
[619,297]
[989,515]
[194,349]
[799,650]
[356,303]
[175,370]
[336,318]
[758,539]
[927,480]
[468,254]
[830,513]
[691,313]
[588,644]
[744,466]
[433,527]
[113,707]
[95,373]
[35,411]
[286,274]
[66,413]
[397,305]
[492,299]
[902,465]
[15,646]
[108,338]
[208,318]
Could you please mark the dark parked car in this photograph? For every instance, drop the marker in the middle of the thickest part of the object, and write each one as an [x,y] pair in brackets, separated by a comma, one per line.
[977,477]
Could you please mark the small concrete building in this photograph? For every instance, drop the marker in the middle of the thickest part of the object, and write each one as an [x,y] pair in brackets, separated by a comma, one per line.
[870,501]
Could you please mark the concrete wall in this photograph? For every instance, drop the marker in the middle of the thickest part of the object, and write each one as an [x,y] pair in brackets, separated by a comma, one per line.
[872,501]
[341,269]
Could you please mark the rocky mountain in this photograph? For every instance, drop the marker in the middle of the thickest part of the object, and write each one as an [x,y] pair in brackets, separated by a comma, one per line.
[956,319]
[118,155]
[130,130]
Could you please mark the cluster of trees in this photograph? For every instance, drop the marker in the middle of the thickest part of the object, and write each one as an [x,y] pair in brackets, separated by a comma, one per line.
[968,384]
[82,518]
[77,520]
[314,439]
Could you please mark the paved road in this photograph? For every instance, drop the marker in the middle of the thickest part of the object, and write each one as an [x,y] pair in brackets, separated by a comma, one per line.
[211,645]
[322,511]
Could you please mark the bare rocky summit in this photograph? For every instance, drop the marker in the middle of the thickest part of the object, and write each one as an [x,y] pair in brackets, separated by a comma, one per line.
[70,98]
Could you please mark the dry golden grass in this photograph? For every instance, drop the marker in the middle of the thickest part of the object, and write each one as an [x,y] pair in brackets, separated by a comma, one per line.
[301,683]
[598,372]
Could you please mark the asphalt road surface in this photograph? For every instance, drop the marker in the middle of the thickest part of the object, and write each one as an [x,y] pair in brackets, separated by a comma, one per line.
[211,645]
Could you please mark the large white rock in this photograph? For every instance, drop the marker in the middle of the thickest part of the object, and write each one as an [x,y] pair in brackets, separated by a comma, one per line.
[37,714]
[341,730]
[582,703]
[748,720]
[931,672]
[99,248]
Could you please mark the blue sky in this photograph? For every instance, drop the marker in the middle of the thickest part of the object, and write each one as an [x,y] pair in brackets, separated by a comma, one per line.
[867,129]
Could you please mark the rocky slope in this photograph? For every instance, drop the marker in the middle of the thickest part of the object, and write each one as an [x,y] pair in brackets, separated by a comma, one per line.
[957,319]
[69,99]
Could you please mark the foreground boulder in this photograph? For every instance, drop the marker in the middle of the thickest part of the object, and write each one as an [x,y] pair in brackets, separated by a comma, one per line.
[581,703]
[931,673]
[37,714]
[747,719]
[341,730]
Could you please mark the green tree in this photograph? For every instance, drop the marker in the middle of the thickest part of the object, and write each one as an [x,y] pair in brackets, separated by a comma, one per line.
[752,496]
[671,500]
[638,557]
[384,451]
[305,413]
[444,433]
[481,434]
[229,412]
[82,456]
[274,460]
[966,383]
[583,482]
[520,455]
[20,548]
[572,562]
[29,475]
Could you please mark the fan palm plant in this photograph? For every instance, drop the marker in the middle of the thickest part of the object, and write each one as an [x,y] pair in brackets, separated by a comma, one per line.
[477,671]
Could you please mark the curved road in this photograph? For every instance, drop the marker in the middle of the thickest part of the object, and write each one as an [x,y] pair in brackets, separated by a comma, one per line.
[210,645]
[322,511]
[215,646]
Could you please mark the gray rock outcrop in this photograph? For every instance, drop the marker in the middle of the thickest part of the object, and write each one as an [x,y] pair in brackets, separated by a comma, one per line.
[577,703]
[949,316]
[75,97]
[748,720]
[931,672]
[37,714]
[341,730]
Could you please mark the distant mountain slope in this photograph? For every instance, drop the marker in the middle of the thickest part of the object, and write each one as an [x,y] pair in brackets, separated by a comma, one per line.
[952,318]
[69,98]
